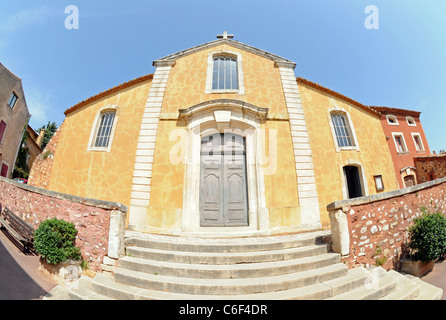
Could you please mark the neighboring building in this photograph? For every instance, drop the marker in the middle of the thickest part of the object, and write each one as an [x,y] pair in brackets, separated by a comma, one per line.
[430,167]
[28,152]
[221,140]
[406,140]
[14,116]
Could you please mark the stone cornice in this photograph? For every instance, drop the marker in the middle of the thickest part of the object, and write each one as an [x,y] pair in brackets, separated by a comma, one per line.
[230,42]
[223,104]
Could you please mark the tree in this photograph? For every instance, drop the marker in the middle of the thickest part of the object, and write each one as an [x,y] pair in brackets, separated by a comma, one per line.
[50,128]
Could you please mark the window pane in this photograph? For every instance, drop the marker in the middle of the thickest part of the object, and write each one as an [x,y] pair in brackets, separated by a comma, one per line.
[224,75]
[12,100]
[104,130]
[342,131]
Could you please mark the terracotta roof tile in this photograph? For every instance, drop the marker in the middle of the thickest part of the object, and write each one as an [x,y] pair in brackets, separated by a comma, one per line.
[108,92]
[396,111]
[337,95]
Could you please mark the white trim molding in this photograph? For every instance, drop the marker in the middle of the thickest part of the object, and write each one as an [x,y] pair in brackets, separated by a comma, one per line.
[416,134]
[393,118]
[411,121]
[403,140]
[210,69]
[145,150]
[306,181]
[225,116]
[338,110]
[95,128]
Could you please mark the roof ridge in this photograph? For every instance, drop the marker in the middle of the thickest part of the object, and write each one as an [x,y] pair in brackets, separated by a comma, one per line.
[235,43]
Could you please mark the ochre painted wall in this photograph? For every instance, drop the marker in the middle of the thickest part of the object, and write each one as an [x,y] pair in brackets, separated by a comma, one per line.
[263,88]
[187,82]
[281,184]
[96,174]
[166,192]
[373,155]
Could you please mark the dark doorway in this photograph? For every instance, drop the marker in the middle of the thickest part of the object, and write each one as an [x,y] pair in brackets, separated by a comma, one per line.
[353,182]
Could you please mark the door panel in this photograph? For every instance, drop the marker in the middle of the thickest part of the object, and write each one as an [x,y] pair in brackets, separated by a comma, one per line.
[223,188]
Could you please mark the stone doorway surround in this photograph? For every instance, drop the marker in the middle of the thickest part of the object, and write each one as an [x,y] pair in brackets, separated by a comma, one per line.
[231,116]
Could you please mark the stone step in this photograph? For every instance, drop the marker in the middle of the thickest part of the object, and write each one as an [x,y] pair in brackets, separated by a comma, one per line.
[227,245]
[427,291]
[229,286]
[379,285]
[406,289]
[227,258]
[57,293]
[106,284]
[239,271]
[83,289]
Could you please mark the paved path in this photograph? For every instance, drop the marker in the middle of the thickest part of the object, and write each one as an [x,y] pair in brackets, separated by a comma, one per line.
[20,278]
[437,276]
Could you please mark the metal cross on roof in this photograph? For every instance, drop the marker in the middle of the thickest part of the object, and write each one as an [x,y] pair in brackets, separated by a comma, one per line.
[225,35]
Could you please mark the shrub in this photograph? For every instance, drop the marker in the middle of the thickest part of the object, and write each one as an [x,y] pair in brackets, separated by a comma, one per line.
[427,237]
[54,241]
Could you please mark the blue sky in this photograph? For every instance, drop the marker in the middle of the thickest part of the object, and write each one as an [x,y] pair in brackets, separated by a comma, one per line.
[402,64]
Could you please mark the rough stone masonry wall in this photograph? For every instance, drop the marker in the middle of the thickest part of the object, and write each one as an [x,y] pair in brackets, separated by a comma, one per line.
[40,173]
[375,232]
[434,164]
[100,224]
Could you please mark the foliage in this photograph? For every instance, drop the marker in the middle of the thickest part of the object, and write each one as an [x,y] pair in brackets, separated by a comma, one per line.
[427,237]
[21,169]
[50,128]
[379,261]
[54,241]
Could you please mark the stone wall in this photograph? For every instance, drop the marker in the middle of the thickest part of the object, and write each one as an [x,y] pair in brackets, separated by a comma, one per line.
[100,224]
[40,172]
[373,230]
[430,167]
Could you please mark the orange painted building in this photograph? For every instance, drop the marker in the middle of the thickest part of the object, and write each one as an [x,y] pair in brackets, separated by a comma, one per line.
[406,139]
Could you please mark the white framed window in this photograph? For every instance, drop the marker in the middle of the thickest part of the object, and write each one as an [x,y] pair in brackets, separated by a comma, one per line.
[392,120]
[400,143]
[13,100]
[224,73]
[103,130]
[411,121]
[419,146]
[344,135]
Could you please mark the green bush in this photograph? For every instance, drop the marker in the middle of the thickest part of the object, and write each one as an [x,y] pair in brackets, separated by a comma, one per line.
[54,241]
[427,237]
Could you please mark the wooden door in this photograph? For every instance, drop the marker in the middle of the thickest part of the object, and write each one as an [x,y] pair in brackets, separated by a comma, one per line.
[223,188]
[409,181]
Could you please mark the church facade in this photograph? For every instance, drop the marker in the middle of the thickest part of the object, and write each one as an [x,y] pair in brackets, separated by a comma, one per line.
[222,140]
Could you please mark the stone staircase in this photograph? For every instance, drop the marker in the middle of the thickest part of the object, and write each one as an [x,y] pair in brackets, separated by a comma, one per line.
[297,266]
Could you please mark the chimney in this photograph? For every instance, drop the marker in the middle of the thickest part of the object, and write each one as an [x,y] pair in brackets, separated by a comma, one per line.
[40,138]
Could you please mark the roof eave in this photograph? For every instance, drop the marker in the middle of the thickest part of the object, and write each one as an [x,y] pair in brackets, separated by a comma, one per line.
[175,56]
